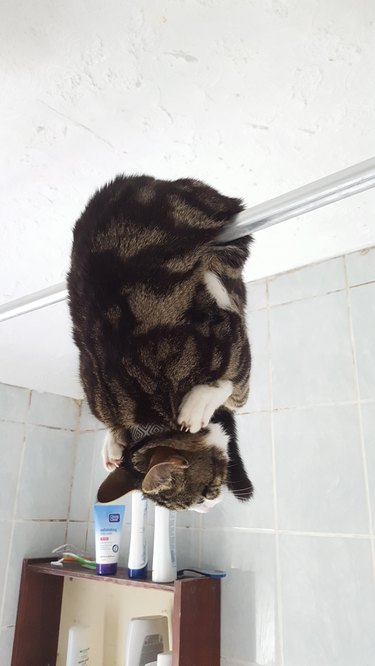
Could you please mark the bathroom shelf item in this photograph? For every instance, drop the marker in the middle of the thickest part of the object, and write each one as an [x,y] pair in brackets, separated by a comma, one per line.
[195,618]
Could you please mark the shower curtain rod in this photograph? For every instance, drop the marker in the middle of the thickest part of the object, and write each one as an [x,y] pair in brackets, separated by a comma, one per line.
[339,185]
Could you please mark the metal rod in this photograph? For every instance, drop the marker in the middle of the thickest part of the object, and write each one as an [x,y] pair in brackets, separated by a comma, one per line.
[340,185]
[345,183]
[35,301]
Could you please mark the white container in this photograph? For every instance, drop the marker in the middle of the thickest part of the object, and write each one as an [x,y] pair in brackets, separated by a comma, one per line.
[79,646]
[138,557]
[108,524]
[164,659]
[164,568]
[147,637]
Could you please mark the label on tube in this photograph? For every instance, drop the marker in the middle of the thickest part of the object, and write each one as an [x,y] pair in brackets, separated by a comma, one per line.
[108,524]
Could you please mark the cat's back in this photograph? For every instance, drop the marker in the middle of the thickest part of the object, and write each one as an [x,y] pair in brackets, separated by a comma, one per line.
[141,240]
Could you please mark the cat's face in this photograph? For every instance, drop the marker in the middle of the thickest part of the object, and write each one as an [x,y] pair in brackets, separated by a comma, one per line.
[180,479]
[174,477]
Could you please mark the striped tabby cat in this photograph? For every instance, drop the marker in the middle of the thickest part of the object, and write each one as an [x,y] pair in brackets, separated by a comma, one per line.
[158,310]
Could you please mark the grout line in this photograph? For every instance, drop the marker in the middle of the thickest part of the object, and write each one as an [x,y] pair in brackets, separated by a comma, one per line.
[360,284]
[342,403]
[307,298]
[23,521]
[75,444]
[38,425]
[360,420]
[318,262]
[14,513]
[267,530]
[279,644]
[89,512]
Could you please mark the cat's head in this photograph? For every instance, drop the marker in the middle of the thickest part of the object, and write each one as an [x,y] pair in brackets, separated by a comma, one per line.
[178,471]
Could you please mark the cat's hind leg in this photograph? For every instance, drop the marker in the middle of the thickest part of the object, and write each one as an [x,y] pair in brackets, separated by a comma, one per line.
[198,406]
[111,452]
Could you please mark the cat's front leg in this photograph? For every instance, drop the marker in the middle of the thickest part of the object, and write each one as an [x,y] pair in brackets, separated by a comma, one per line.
[199,405]
[111,452]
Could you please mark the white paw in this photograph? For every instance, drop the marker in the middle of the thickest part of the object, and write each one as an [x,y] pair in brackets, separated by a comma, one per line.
[200,403]
[111,452]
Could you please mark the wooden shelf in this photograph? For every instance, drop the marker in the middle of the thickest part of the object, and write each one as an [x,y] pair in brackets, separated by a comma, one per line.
[195,618]
[74,570]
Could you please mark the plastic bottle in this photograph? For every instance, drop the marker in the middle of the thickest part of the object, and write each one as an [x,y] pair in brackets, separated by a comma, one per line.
[164,659]
[138,558]
[78,653]
[164,569]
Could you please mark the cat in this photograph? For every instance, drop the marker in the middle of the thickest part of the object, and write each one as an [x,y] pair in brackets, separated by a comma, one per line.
[158,312]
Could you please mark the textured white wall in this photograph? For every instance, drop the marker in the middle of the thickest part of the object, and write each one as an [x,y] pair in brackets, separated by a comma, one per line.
[257,97]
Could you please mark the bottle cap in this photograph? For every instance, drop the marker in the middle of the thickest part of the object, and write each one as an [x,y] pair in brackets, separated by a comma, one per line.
[164,659]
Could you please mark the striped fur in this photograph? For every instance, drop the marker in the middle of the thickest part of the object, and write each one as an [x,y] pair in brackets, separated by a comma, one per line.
[150,325]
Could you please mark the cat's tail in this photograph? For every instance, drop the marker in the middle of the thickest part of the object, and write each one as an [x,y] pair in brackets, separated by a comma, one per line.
[197,214]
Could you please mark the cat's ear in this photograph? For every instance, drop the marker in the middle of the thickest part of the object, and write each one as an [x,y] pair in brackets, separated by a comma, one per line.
[163,467]
[118,483]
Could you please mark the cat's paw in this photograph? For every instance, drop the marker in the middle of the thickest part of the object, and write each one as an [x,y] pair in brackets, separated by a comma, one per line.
[199,405]
[111,452]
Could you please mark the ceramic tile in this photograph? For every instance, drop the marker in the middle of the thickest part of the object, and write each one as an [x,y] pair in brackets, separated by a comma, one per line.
[187,547]
[319,469]
[256,295]
[46,474]
[311,352]
[308,281]
[259,397]
[6,645]
[76,535]
[14,403]
[188,519]
[328,601]
[363,314]
[87,419]
[248,618]
[53,410]
[368,417]
[11,443]
[80,501]
[254,437]
[30,539]
[361,266]
[90,541]
[5,532]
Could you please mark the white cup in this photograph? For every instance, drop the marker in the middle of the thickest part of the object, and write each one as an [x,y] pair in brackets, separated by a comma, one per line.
[164,659]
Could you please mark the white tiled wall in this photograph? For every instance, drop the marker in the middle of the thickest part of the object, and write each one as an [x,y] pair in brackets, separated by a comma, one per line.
[300,589]
[37,453]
